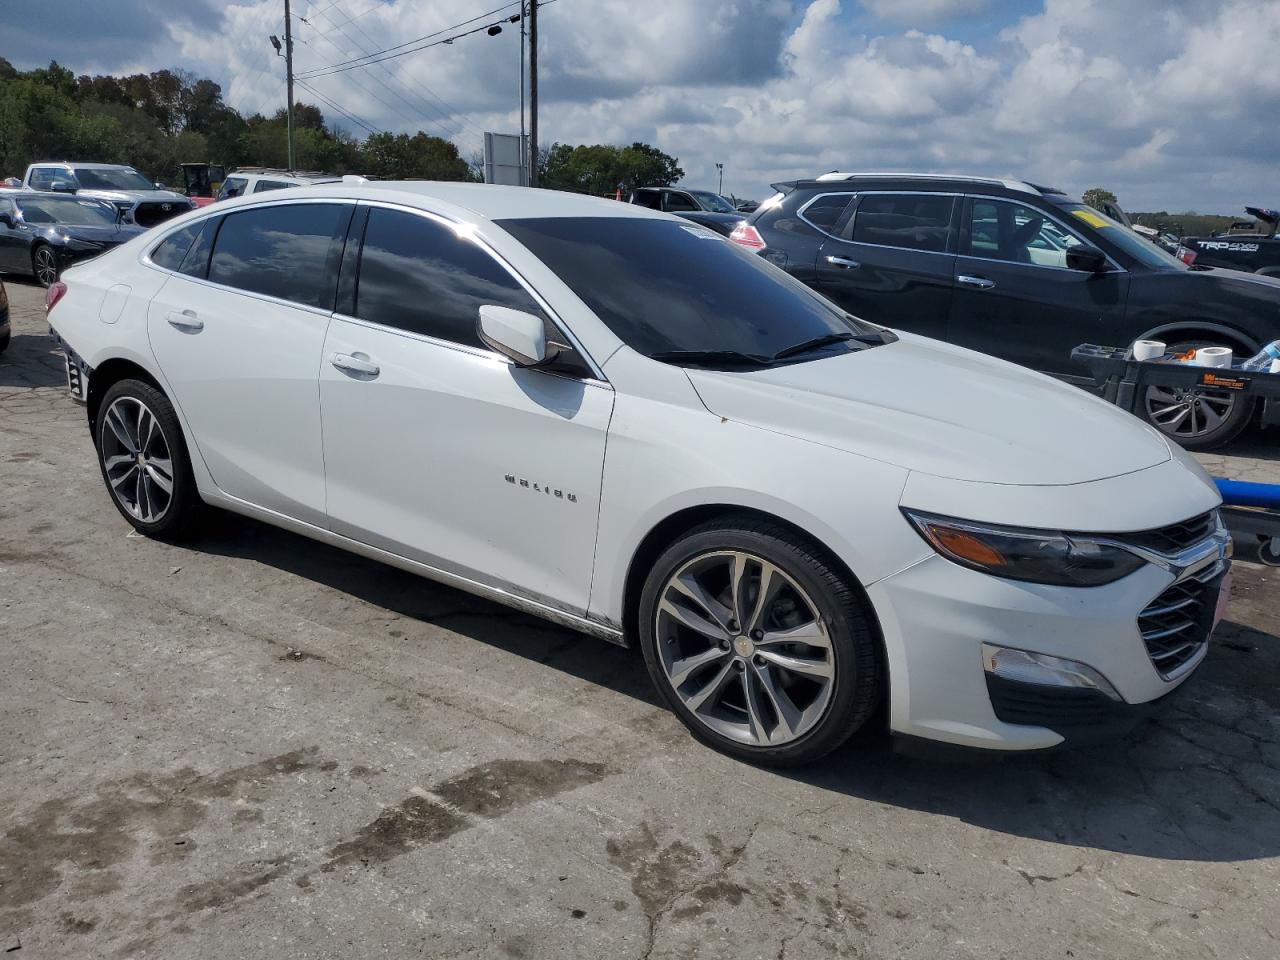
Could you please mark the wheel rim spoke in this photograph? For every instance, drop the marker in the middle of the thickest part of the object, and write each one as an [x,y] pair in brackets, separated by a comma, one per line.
[692,589]
[116,482]
[789,718]
[712,689]
[755,707]
[803,665]
[810,633]
[121,431]
[156,477]
[694,621]
[682,670]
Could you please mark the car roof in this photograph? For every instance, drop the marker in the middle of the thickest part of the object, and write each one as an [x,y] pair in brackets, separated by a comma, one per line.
[83,166]
[1020,186]
[484,200]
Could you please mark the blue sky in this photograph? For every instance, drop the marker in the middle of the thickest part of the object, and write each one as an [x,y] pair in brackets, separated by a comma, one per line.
[1170,103]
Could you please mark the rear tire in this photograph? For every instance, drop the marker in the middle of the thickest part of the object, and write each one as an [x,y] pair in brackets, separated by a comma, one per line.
[783,682]
[144,462]
[1184,415]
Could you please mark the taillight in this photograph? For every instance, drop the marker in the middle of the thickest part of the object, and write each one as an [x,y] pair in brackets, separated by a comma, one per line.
[747,235]
[56,291]
[1186,255]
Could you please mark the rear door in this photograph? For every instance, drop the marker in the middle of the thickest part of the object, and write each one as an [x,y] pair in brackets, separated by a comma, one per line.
[892,262]
[238,333]
[440,450]
[1015,297]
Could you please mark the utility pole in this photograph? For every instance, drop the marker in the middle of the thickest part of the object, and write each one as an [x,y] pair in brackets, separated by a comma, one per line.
[288,66]
[524,140]
[720,168]
[533,93]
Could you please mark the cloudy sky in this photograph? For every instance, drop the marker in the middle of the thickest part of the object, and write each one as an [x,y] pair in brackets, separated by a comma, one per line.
[1171,103]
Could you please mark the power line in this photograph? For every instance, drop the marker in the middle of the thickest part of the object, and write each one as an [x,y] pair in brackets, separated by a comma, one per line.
[387,54]
[346,113]
[449,114]
[417,108]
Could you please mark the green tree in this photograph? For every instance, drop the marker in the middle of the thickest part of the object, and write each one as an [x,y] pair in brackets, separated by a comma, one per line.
[420,157]
[1097,198]
[602,169]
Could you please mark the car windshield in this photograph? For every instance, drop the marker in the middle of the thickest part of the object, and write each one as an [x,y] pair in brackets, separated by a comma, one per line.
[119,178]
[1135,245]
[667,288]
[712,201]
[69,211]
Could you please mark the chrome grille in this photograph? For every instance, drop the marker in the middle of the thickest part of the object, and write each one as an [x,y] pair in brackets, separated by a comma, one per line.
[1175,626]
[1176,537]
[150,212]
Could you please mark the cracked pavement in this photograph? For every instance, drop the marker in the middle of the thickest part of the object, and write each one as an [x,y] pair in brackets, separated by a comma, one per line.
[256,746]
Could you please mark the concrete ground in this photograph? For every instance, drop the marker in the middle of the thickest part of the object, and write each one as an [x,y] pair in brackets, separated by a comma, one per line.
[254,746]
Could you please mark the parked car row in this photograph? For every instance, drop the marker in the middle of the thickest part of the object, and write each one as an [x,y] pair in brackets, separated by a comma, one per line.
[1015,270]
[623,422]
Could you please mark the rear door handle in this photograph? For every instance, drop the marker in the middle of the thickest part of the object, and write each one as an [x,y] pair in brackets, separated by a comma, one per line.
[844,263]
[186,321]
[979,283]
[356,364]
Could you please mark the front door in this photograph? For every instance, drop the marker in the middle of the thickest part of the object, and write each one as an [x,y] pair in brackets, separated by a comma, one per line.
[1015,296]
[892,263]
[438,449]
[241,350]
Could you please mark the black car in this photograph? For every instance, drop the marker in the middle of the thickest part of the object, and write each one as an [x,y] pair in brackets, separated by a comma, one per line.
[1255,249]
[1016,270]
[41,234]
[701,206]
[4,318]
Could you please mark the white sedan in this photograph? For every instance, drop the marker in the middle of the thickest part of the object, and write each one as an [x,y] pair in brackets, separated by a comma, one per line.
[618,420]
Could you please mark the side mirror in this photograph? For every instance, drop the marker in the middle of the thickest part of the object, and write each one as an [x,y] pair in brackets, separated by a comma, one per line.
[519,336]
[62,186]
[1086,258]
[160,186]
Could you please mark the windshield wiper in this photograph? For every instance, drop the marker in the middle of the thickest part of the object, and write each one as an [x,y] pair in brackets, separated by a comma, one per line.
[826,340]
[713,357]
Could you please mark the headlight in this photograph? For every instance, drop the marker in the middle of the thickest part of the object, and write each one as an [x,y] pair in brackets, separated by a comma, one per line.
[1036,556]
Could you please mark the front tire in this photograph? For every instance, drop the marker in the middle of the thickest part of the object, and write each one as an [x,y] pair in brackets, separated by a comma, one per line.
[757,642]
[44,265]
[144,461]
[1196,418]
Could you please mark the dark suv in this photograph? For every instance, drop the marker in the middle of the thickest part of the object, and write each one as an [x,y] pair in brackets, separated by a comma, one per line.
[1016,270]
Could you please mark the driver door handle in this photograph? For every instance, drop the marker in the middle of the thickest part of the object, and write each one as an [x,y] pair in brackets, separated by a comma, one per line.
[844,263]
[979,283]
[186,321]
[358,364]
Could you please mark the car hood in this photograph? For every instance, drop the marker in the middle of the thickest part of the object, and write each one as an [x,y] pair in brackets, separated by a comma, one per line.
[131,195]
[942,410]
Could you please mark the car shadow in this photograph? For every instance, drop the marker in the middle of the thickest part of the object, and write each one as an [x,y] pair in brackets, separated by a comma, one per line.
[1201,782]
[32,360]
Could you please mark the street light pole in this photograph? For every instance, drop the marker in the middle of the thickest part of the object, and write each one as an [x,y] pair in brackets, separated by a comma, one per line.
[524,141]
[533,93]
[288,66]
[720,168]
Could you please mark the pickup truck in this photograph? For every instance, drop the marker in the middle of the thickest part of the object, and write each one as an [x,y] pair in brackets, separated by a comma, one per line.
[1255,250]
[136,198]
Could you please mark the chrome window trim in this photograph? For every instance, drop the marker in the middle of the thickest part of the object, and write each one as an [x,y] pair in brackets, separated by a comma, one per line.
[1116,268]
[814,199]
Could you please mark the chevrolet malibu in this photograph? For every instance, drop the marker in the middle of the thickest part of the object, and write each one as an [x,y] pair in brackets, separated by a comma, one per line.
[619,421]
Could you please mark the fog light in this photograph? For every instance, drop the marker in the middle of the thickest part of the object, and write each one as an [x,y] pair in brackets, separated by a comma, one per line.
[1022,666]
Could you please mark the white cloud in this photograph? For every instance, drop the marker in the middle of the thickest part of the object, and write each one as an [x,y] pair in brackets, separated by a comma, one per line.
[1171,104]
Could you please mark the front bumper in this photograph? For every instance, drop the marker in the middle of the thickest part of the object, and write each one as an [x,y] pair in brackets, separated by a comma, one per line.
[937,617]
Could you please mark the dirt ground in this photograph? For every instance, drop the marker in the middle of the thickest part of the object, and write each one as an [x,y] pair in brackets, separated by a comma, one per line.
[253,746]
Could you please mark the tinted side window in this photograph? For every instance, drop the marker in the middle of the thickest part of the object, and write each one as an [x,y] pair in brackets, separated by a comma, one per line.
[170,251]
[264,185]
[649,198]
[418,275]
[1003,230]
[914,221]
[825,211]
[41,178]
[281,251]
[679,202]
[196,262]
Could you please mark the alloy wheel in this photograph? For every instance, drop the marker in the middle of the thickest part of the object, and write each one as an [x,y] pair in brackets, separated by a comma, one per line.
[744,648]
[46,266]
[1188,412]
[136,459]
